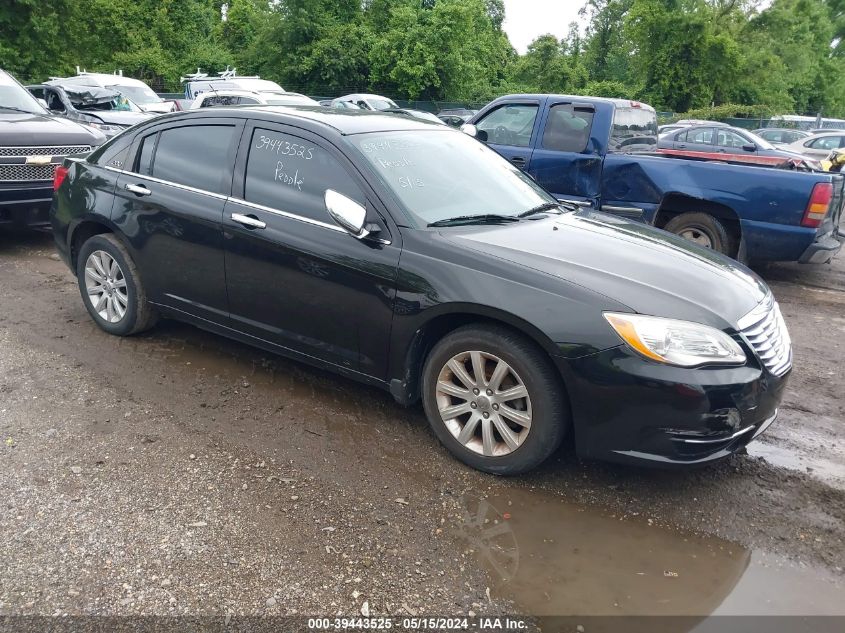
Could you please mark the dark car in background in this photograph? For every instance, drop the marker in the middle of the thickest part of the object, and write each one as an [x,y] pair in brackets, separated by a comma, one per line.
[781,136]
[104,109]
[32,144]
[411,257]
[456,117]
[711,139]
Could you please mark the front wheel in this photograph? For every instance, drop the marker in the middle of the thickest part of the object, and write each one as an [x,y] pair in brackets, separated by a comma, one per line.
[494,399]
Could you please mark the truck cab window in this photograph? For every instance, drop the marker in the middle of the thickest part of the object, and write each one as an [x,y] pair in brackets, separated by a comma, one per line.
[567,130]
[510,124]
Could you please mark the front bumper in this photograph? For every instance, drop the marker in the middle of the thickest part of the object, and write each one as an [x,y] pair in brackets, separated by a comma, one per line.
[628,409]
[823,249]
[25,204]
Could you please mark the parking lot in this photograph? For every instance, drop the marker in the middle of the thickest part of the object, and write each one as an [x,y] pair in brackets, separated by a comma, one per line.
[177,472]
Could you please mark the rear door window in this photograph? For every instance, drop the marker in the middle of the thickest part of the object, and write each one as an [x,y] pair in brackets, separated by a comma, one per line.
[702,137]
[567,130]
[196,156]
[292,174]
[510,124]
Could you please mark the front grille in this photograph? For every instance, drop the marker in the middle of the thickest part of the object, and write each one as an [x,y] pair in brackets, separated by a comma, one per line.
[57,150]
[765,331]
[26,173]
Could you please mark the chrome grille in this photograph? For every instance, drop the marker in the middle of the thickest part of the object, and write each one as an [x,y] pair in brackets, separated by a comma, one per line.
[26,173]
[58,150]
[765,331]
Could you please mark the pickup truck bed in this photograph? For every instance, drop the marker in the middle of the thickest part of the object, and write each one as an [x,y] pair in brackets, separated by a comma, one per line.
[601,154]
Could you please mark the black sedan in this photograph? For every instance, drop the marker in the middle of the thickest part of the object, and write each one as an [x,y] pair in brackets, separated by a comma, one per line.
[411,257]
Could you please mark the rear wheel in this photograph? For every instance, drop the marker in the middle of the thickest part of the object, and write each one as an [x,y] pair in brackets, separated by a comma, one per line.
[702,229]
[111,287]
[494,400]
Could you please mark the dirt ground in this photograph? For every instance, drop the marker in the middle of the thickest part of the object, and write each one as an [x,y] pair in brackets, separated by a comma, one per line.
[181,473]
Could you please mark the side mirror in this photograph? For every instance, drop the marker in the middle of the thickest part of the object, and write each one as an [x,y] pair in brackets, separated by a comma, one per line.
[43,103]
[750,147]
[471,130]
[350,215]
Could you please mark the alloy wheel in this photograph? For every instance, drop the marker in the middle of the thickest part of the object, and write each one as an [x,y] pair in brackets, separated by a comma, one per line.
[484,403]
[697,235]
[106,286]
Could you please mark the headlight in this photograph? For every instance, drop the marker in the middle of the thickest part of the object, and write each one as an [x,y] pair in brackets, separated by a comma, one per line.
[676,342]
[104,127]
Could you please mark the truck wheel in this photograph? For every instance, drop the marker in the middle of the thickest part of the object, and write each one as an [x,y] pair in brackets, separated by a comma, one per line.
[702,229]
[111,287]
[494,399]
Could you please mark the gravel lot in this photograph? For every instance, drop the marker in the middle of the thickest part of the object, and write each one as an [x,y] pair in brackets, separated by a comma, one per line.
[180,473]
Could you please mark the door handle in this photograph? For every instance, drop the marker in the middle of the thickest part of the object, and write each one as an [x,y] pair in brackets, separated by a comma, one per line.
[139,190]
[681,146]
[519,161]
[249,221]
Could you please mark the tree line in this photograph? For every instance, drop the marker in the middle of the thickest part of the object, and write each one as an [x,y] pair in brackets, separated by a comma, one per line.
[678,55]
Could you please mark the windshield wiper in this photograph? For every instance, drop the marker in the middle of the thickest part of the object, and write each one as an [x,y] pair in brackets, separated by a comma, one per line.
[548,206]
[3,107]
[487,218]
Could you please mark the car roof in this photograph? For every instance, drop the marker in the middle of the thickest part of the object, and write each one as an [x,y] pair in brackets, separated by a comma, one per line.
[316,118]
[227,93]
[619,103]
[362,95]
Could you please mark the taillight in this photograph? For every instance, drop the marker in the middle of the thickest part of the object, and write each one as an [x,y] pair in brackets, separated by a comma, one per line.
[59,177]
[819,205]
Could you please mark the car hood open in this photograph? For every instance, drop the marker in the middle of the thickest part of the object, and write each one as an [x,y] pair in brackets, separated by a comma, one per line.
[649,270]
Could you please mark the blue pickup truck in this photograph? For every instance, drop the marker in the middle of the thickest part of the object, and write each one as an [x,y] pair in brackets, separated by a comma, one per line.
[602,154]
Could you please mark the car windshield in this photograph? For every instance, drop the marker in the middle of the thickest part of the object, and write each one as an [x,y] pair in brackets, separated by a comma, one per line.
[138,94]
[441,174]
[13,96]
[118,103]
[381,104]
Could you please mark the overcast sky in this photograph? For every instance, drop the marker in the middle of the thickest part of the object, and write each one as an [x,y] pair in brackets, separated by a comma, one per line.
[526,19]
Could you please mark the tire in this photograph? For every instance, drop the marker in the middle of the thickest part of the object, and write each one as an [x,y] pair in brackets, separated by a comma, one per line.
[125,310]
[712,232]
[545,406]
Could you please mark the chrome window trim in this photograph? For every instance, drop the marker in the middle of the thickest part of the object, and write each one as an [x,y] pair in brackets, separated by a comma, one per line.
[239,201]
[169,183]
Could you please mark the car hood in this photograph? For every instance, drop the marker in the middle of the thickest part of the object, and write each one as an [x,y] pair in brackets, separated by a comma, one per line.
[19,128]
[649,270]
[162,107]
[119,117]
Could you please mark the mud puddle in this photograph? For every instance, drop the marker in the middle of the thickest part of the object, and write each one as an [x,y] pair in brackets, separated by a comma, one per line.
[833,473]
[554,558]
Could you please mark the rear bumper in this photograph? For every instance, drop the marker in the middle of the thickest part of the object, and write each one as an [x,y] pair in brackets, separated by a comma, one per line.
[627,409]
[25,205]
[823,249]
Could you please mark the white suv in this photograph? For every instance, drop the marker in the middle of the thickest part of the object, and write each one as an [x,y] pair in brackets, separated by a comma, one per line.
[219,98]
